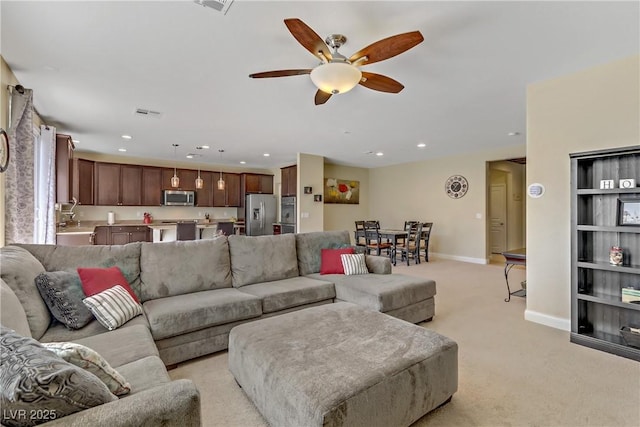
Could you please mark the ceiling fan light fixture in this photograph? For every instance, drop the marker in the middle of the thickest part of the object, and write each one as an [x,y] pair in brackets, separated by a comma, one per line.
[336,77]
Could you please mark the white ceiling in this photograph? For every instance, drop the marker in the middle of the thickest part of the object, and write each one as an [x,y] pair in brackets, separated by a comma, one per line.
[91,64]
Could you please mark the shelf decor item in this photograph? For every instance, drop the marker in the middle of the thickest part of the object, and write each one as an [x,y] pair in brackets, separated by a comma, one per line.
[631,295]
[631,335]
[308,190]
[629,211]
[616,255]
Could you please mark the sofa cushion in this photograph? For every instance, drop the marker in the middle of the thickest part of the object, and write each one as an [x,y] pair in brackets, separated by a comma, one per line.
[19,270]
[198,310]
[58,332]
[91,361]
[96,280]
[63,294]
[257,259]
[283,294]
[145,373]
[182,267]
[113,307]
[331,262]
[12,314]
[69,258]
[38,386]
[122,346]
[381,292]
[310,245]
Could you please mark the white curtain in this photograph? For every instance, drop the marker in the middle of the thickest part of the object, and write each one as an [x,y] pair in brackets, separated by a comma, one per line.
[44,175]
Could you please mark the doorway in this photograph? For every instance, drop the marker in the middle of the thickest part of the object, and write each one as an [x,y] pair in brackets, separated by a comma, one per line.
[506,222]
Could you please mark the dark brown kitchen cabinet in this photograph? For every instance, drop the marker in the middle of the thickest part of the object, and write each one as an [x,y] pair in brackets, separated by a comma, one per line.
[187,179]
[151,186]
[258,183]
[289,180]
[83,183]
[118,184]
[73,239]
[230,196]
[121,235]
[64,171]
[204,196]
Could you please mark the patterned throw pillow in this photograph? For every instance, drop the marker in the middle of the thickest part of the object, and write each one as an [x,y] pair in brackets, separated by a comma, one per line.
[354,264]
[113,307]
[38,386]
[62,292]
[89,359]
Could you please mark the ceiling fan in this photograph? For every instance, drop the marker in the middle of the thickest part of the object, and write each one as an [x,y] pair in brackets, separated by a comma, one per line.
[339,74]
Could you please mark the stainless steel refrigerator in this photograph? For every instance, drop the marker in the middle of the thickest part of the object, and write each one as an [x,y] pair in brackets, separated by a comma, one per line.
[260,214]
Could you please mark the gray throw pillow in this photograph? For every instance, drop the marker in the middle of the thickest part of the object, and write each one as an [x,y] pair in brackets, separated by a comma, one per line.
[37,386]
[63,294]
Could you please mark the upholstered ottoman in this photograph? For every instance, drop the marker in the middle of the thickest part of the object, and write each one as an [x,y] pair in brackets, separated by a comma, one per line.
[341,364]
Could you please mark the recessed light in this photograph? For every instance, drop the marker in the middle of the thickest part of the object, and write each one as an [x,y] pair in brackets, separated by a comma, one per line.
[242,162]
[189,156]
[379,153]
[422,145]
[200,147]
[127,137]
[75,141]
[513,133]
[122,149]
[266,154]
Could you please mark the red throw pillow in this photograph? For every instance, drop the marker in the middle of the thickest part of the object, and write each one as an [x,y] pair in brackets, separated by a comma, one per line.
[96,280]
[330,261]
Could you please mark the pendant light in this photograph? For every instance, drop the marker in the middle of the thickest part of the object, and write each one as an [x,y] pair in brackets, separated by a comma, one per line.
[199,181]
[175,181]
[221,181]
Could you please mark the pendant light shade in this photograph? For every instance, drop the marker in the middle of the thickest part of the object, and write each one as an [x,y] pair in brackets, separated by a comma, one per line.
[199,182]
[221,181]
[175,181]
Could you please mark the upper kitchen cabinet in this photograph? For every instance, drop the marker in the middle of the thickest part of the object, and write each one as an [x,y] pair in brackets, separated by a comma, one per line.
[118,184]
[64,171]
[289,180]
[230,196]
[257,183]
[151,186]
[187,179]
[82,181]
[204,196]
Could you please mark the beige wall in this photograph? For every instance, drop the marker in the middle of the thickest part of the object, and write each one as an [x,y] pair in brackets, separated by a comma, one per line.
[310,173]
[416,191]
[343,217]
[594,109]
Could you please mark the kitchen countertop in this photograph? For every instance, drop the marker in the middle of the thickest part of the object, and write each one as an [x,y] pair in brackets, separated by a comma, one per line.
[87,227]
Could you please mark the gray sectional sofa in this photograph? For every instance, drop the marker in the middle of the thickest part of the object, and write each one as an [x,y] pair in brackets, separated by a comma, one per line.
[193,293]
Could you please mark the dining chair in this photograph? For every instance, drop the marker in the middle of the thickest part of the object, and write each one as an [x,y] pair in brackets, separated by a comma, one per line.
[424,244]
[186,230]
[225,228]
[360,237]
[373,241]
[410,248]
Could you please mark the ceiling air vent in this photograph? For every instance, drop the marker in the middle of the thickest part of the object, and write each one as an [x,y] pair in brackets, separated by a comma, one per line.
[143,112]
[219,5]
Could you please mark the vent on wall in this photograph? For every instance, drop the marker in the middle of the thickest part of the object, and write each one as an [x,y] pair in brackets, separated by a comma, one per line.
[219,5]
[143,112]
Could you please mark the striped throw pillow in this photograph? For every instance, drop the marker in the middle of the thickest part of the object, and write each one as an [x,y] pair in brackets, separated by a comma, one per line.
[354,264]
[113,307]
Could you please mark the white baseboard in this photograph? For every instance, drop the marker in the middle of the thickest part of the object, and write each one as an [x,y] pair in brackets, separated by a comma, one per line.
[459,258]
[545,319]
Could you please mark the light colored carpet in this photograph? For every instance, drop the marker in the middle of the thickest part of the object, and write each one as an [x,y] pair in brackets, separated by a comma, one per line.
[511,372]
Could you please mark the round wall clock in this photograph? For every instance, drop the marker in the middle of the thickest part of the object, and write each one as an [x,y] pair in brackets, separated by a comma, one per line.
[456,186]
[4,150]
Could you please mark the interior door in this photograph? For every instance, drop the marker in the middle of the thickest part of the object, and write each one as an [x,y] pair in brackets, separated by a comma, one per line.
[498,216]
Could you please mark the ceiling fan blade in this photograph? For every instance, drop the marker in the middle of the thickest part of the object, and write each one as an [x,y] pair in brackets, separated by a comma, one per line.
[380,83]
[279,73]
[308,38]
[387,48]
[322,97]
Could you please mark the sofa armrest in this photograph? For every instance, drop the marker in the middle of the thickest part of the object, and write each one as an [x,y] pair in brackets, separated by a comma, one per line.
[173,404]
[378,264]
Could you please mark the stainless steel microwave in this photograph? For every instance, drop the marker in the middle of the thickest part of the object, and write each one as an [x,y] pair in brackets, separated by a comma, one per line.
[178,198]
